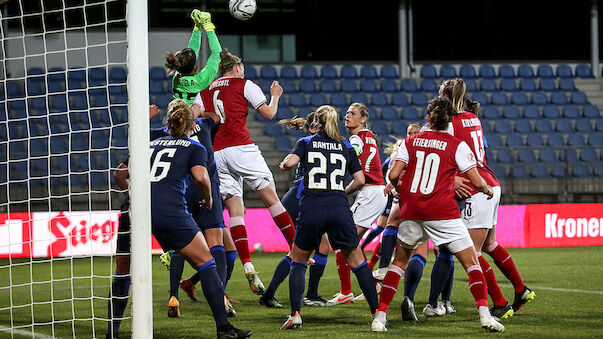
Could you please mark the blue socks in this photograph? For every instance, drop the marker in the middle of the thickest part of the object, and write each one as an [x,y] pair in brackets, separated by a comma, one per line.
[440,274]
[280,273]
[367,285]
[231,256]
[118,302]
[448,286]
[316,271]
[297,277]
[412,277]
[213,291]
[373,233]
[220,256]
[388,243]
[176,268]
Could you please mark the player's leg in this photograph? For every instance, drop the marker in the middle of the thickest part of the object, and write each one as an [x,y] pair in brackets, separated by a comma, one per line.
[441,280]
[378,229]
[120,286]
[297,283]
[316,271]
[230,252]
[375,256]
[357,263]
[388,242]
[280,273]
[414,270]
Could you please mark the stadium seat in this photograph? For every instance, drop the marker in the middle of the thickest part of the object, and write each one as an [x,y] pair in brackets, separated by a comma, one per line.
[519,98]
[389,113]
[589,155]
[527,85]
[598,171]
[503,127]
[117,90]
[555,140]
[156,87]
[547,155]
[428,72]
[550,112]
[563,126]
[379,128]
[400,99]
[379,99]
[480,97]
[17,109]
[499,171]
[297,100]
[487,71]
[56,86]
[119,74]
[307,86]
[359,97]
[317,99]
[349,72]
[545,71]
[17,150]
[308,72]
[17,170]
[97,76]
[534,140]
[339,99]
[468,72]
[389,85]
[486,128]
[288,72]
[418,99]
[76,79]
[584,126]
[288,86]
[531,112]
[558,171]
[510,112]
[123,100]
[564,71]
[399,128]
[389,72]
[584,71]
[519,172]
[328,72]
[429,85]
[348,86]
[282,143]
[36,86]
[409,85]
[488,85]
[595,139]
[491,112]
[268,72]
[540,172]
[508,85]
[38,127]
[79,141]
[326,86]
[368,72]
[578,98]
[525,71]
[368,86]
[558,98]
[547,84]
[499,98]
[251,72]
[410,113]
[575,139]
[599,125]
[273,129]
[471,85]
[79,121]
[521,126]
[58,103]
[506,71]
[38,168]
[495,140]
[567,84]
[543,126]
[515,140]
[15,89]
[447,72]
[284,112]
[571,112]
[591,111]
[569,156]
[303,111]
[581,171]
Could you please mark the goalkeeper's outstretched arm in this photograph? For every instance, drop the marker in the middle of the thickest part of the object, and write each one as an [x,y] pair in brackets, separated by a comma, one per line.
[209,72]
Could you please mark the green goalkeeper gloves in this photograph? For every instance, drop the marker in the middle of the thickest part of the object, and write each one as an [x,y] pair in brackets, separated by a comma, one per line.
[202,19]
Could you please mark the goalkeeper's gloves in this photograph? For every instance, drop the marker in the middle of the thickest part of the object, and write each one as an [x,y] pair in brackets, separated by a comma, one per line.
[202,19]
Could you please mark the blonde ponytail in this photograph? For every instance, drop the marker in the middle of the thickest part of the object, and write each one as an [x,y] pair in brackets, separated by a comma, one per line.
[327,118]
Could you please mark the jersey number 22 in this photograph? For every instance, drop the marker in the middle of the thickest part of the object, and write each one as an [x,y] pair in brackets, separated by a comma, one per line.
[321,161]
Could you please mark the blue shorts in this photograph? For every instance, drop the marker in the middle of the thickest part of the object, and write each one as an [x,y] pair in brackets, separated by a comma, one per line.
[123,230]
[173,232]
[316,219]
[206,219]
[291,202]
[388,207]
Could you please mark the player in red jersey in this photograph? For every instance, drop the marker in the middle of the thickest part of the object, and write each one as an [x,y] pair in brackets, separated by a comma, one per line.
[370,200]
[429,210]
[479,213]
[238,159]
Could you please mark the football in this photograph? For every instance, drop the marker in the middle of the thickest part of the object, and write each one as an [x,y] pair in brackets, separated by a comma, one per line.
[258,248]
[242,9]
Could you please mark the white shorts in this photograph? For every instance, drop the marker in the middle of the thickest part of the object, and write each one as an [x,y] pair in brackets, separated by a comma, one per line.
[238,163]
[451,233]
[479,212]
[369,204]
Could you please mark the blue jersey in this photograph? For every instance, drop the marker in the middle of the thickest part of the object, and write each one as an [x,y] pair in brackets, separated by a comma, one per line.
[324,163]
[171,161]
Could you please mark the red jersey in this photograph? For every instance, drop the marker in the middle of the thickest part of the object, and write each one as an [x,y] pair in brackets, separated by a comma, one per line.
[433,159]
[369,158]
[230,99]
[467,127]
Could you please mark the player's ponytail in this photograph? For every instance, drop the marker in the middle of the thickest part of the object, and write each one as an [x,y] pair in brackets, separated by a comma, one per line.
[440,112]
[454,90]
[298,122]
[471,106]
[183,62]
[228,61]
[179,120]
[326,118]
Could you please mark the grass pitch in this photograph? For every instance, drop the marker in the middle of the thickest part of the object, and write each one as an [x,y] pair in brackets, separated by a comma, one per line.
[568,283]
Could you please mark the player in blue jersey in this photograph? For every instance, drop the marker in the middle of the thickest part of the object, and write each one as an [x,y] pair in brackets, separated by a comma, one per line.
[324,208]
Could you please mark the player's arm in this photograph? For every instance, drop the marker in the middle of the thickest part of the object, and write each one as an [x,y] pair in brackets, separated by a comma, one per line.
[357,182]
[199,110]
[203,21]
[465,160]
[290,161]
[203,184]
[396,172]
[479,182]
[354,168]
[121,176]
[153,111]
[269,111]
[357,144]
[461,189]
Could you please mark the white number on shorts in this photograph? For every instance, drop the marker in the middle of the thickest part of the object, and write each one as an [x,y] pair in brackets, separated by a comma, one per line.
[478,145]
[219,107]
[162,166]
[426,172]
[367,165]
[336,185]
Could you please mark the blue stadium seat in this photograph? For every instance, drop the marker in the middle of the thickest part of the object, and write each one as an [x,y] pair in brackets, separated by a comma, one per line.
[599,125]
[515,140]
[326,86]
[307,86]
[79,141]
[595,139]
[550,112]
[500,171]
[359,97]
[569,156]
[123,100]
[56,86]
[429,85]
[591,111]
[317,99]
[59,123]
[368,72]
[534,140]
[297,100]
[488,85]
[400,99]
[567,84]
[589,155]
[547,84]
[79,121]
[349,72]
[468,72]
[17,129]
[36,86]
[491,112]
[389,113]
[584,71]
[100,118]
[379,99]
[389,85]
[17,150]
[119,114]
[555,140]
[487,71]
[156,87]
[282,143]
[499,98]
[117,89]
[506,71]
[522,126]
[273,129]
[251,72]
[531,112]
[119,74]
[59,144]
[525,71]
[584,126]
[447,72]
[399,128]
[348,85]
[503,127]
[17,171]
[15,89]
[519,98]
[409,85]
[508,85]
[578,98]
[545,71]
[368,86]
[328,72]
[575,139]
[527,85]
[480,97]
[97,76]
[76,79]
[510,112]
[486,128]
[519,172]
[38,168]
[526,156]
[418,99]
[284,112]
[17,109]
[379,127]
[339,99]
[581,171]
[558,98]
[558,171]
[471,85]
[389,72]
[265,85]
[58,103]
[288,86]
[410,113]
[543,126]
[598,171]
[547,156]
[308,72]
[563,126]
[494,140]
[540,172]
[303,111]
[119,136]
[289,72]
[571,112]
[428,72]
[504,156]
[564,71]
[38,127]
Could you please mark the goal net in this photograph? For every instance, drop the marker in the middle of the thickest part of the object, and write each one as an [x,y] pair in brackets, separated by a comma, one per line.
[64,128]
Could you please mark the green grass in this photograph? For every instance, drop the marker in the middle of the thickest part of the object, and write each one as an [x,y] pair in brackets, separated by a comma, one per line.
[551,272]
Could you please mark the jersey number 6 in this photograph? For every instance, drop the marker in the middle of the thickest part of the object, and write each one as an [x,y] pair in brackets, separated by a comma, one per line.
[321,184]
[162,166]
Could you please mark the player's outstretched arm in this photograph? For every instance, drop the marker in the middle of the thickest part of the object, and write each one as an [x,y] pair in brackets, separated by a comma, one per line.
[121,176]
[269,111]
[203,184]
[289,162]
[209,72]
[479,182]
[358,181]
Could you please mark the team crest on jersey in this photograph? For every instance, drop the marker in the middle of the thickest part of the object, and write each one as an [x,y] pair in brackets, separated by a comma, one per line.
[471,157]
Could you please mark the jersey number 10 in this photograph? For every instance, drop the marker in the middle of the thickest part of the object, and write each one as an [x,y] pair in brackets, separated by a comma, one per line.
[426,172]
[319,159]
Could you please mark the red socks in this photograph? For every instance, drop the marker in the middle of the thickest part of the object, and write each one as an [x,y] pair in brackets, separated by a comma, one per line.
[389,287]
[493,290]
[344,273]
[283,221]
[375,257]
[239,236]
[505,263]
[477,285]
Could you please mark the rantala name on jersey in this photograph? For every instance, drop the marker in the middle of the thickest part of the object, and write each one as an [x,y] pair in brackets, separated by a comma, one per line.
[177,142]
[327,145]
[430,143]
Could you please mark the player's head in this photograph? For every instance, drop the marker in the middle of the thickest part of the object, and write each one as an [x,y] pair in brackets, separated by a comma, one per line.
[309,126]
[231,65]
[471,105]
[180,120]
[454,90]
[325,119]
[183,62]
[392,147]
[439,113]
[412,129]
[357,115]
[300,123]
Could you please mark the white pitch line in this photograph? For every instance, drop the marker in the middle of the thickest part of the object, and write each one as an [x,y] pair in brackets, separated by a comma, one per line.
[555,289]
[25,333]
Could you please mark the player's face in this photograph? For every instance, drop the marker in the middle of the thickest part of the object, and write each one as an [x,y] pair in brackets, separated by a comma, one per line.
[412,130]
[353,118]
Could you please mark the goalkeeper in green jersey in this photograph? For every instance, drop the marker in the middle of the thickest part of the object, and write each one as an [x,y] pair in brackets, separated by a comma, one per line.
[186,82]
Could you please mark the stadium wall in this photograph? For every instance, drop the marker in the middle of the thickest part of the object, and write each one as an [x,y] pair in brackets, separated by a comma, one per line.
[66,234]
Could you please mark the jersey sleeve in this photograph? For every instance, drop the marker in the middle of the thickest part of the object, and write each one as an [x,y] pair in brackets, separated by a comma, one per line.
[208,123]
[253,93]
[195,42]
[402,154]
[198,156]
[464,158]
[209,72]
[357,144]
[300,148]
[199,102]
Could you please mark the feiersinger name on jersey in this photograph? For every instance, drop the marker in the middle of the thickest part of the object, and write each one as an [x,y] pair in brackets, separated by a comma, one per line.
[176,142]
[223,82]
[430,143]
[327,145]
[556,227]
